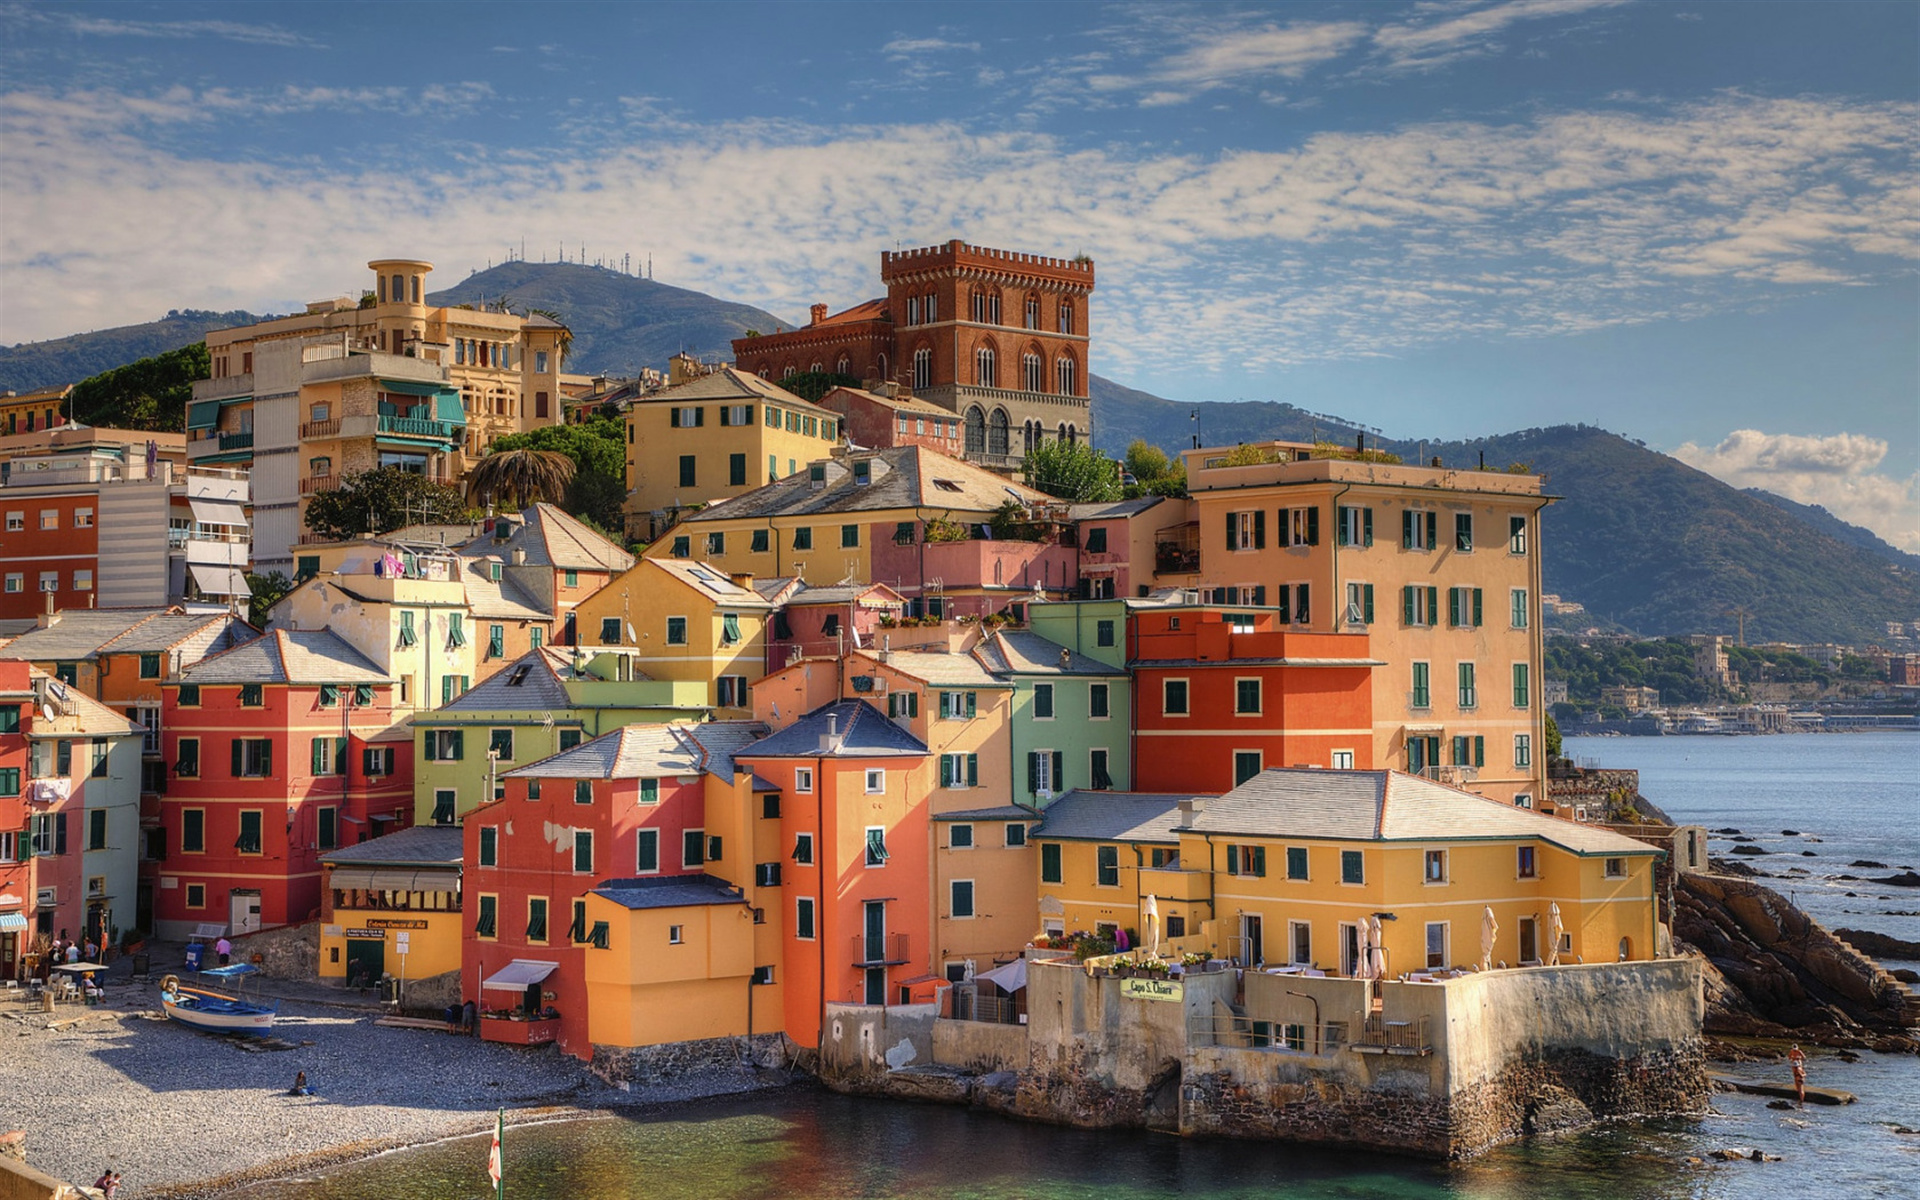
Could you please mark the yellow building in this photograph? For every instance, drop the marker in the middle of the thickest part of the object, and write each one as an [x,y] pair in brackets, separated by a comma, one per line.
[391,906]
[1096,853]
[716,436]
[1293,860]
[678,964]
[1440,567]
[688,623]
[35,411]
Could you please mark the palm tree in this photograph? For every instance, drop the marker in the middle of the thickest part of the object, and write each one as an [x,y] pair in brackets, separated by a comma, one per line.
[520,477]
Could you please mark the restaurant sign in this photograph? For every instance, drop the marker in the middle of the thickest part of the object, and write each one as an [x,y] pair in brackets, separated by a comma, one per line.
[1151,989]
[393,923]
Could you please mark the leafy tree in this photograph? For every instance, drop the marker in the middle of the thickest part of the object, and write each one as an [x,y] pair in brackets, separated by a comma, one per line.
[267,591]
[1553,738]
[1072,471]
[811,385]
[381,500]
[516,478]
[598,449]
[1155,473]
[151,393]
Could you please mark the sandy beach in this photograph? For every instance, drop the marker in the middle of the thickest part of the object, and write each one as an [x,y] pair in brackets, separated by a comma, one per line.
[182,1114]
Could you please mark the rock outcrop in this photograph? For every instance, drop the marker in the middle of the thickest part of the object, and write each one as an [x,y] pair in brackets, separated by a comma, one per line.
[1776,972]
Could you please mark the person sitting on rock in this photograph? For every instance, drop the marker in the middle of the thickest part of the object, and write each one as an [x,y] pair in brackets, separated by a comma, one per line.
[299,1087]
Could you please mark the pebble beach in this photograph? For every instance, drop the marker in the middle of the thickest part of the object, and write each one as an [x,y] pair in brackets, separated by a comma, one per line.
[183,1115]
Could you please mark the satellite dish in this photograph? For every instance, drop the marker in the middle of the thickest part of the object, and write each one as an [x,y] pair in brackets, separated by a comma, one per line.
[46,710]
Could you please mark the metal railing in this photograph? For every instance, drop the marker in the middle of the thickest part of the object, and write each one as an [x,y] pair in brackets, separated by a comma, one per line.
[963,1003]
[884,951]
[418,427]
[1247,1033]
[1379,1036]
[237,441]
[235,535]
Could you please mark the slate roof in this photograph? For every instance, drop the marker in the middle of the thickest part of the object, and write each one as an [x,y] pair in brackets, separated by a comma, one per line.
[711,582]
[775,589]
[999,812]
[501,599]
[416,845]
[167,630]
[79,713]
[1084,816]
[554,539]
[724,739]
[541,687]
[860,731]
[938,669]
[1113,509]
[1388,806]
[670,891]
[902,477]
[729,383]
[83,633]
[287,656]
[1016,652]
[630,752]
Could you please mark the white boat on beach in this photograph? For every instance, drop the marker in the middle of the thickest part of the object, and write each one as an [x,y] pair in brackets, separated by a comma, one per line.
[212,1011]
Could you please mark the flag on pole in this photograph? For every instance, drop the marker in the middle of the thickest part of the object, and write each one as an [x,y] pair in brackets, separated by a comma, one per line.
[495,1171]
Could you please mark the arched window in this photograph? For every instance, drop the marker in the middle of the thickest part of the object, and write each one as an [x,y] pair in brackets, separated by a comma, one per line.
[1061,432]
[986,307]
[1030,362]
[816,368]
[1029,436]
[1033,311]
[416,289]
[922,369]
[997,432]
[913,310]
[880,363]
[842,365]
[399,288]
[763,372]
[790,372]
[930,308]
[976,430]
[984,372]
[1067,375]
[1073,435]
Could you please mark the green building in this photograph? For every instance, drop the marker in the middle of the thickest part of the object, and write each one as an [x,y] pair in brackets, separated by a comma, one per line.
[1071,717]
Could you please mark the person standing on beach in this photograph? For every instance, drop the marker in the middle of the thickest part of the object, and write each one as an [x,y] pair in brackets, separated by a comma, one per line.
[1797,1058]
[224,949]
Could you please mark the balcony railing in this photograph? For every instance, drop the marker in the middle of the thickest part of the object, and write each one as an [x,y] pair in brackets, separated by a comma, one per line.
[319,483]
[321,429]
[419,427]
[237,441]
[1171,559]
[888,950]
[1378,1036]
[234,535]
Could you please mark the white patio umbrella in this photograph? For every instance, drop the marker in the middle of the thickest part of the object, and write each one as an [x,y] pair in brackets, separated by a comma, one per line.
[1363,954]
[1554,927]
[1150,916]
[1489,930]
[1377,947]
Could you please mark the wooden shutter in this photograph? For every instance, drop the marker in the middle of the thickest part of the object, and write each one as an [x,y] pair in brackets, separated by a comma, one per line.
[973,770]
[1233,531]
[1313,526]
[946,770]
[1476,608]
[1433,530]
[1233,860]
[1059,773]
[1302,610]
[1479,751]
[239,757]
[1406,529]
[1260,595]
[1366,602]
[317,763]
[1033,771]
[1433,604]
[1259,860]
[1406,605]
[1453,606]
[1259,529]
[1366,526]
[971,699]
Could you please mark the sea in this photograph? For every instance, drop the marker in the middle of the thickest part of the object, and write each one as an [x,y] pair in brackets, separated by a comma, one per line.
[1845,797]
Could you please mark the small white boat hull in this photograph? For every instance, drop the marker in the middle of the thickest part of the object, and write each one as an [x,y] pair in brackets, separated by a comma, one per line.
[216,1013]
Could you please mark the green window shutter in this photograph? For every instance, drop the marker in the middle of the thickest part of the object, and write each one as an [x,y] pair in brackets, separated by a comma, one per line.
[1406,605]
[1366,526]
[1406,529]
[1033,771]
[1233,528]
[1260,861]
[496,641]
[319,756]
[1433,604]
[239,758]
[1476,608]
[446,689]
[458,750]
[971,698]
[1479,751]
[1366,603]
[973,770]
[946,770]
[1453,607]
[1059,772]
[1313,526]
[1233,860]
[1050,862]
[1259,529]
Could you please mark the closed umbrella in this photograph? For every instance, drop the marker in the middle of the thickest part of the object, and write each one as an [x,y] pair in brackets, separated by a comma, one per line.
[1378,948]
[1554,927]
[1489,930]
[1363,954]
[1150,914]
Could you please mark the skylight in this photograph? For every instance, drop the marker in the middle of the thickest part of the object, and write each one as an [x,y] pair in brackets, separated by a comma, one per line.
[946,485]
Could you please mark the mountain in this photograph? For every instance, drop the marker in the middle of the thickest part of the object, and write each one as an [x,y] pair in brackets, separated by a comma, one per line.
[619,322]
[31,365]
[1646,542]
[1833,526]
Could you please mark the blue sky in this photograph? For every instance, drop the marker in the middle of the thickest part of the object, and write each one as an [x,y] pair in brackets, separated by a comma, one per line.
[1695,224]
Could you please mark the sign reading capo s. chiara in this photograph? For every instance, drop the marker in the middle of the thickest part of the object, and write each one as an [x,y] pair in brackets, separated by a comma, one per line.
[1151,989]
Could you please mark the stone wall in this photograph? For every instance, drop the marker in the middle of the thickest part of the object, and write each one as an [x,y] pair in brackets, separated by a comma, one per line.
[432,995]
[287,952]
[863,1042]
[628,1067]
[980,1047]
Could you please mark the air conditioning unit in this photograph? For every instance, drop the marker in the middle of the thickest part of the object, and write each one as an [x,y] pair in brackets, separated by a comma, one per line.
[47,897]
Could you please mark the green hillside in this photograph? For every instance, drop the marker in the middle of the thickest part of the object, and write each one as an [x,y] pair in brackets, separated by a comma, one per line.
[31,365]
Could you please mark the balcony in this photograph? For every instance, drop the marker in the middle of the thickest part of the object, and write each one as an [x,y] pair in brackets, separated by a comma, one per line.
[320,429]
[242,440]
[1377,1036]
[887,950]
[422,427]
[313,485]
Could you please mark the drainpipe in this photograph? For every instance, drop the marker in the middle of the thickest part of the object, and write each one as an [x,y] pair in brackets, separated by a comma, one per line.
[819,868]
[1338,602]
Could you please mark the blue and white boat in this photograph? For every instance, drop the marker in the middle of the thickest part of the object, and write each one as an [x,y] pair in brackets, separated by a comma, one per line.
[213,1011]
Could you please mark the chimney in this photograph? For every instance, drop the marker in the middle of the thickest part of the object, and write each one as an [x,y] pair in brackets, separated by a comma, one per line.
[1186,808]
[818,312]
[50,617]
[831,737]
[742,580]
[1066,658]
[519,556]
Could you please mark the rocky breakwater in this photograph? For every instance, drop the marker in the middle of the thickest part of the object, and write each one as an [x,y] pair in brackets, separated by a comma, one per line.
[1773,971]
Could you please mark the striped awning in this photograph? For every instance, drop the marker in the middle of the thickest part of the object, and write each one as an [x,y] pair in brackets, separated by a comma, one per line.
[219,581]
[12,922]
[396,879]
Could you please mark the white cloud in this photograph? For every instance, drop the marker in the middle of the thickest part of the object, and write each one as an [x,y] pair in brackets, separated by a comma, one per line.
[902,47]
[1425,44]
[1839,472]
[1286,50]
[233,31]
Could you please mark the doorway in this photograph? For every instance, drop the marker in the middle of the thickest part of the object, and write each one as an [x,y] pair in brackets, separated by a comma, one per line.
[243,912]
[1250,941]
[1349,948]
[1529,940]
[366,960]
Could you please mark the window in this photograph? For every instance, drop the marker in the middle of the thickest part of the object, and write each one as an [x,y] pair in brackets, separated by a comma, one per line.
[1300,526]
[327,756]
[193,830]
[1098,703]
[876,846]
[1173,697]
[1436,944]
[732,691]
[1341,760]
[583,791]
[960,893]
[957,706]
[1463,607]
[577,928]
[1046,772]
[456,629]
[1516,535]
[533,785]
[803,922]
[249,840]
[536,918]
[736,469]
[1436,866]
[1247,860]
[1517,610]
[16,581]
[686,418]
[252,758]
[1103,633]
[329,695]
[376,760]
[876,781]
[1463,532]
[903,704]
[1422,752]
[1353,866]
[1097,777]
[9,786]
[487,920]
[496,641]
[583,851]
[682,546]
[1016,834]
[1031,369]
[97,829]
[803,538]
[1469,751]
[1247,530]
[1616,868]
[186,763]
[1050,862]
[1469,696]
[1296,862]
[1246,764]
[1360,603]
[1524,865]
[1107,866]
[16,521]
[646,852]
[1356,526]
[489,846]
[803,849]
[1066,376]
[676,631]
[803,781]
[758,542]
[693,848]
[49,518]
[1522,692]
[252,695]
[196,895]
[1422,694]
[407,634]
[446,806]
[688,471]
[1419,606]
[1246,697]
[959,770]
[571,579]
[445,745]
[452,686]
[1523,750]
[1043,702]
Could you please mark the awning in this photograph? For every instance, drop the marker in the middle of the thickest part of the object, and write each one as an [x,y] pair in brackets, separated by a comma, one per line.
[1010,978]
[519,975]
[209,511]
[203,414]
[396,879]
[407,387]
[10,922]
[447,407]
[220,581]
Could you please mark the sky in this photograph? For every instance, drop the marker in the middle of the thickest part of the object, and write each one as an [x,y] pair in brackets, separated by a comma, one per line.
[1695,224]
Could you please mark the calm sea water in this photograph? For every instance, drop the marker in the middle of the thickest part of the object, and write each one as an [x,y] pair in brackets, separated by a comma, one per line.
[1856,792]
